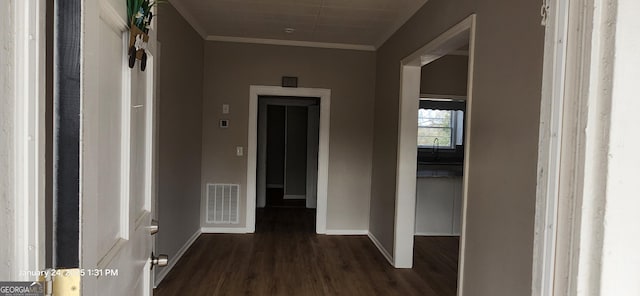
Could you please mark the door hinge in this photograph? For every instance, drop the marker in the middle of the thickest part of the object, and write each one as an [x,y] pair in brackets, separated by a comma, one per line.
[61,282]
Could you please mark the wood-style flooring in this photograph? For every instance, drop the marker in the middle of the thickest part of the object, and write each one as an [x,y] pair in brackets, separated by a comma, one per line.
[275,198]
[286,257]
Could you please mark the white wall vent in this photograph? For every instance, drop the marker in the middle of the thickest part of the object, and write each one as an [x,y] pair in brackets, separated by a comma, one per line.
[223,203]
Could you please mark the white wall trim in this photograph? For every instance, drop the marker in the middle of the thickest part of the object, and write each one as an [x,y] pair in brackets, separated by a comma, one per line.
[125,141]
[406,177]
[281,42]
[598,157]
[467,153]
[29,138]
[224,230]
[382,250]
[172,261]
[323,149]
[447,42]
[189,18]
[549,149]
[111,17]
[410,70]
[347,232]
[155,113]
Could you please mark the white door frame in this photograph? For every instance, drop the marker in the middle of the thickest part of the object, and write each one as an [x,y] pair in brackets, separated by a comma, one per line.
[410,68]
[323,150]
[549,147]
[29,172]
[586,212]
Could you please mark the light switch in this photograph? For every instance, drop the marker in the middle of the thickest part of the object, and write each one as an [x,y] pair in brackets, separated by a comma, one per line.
[239,151]
[225,108]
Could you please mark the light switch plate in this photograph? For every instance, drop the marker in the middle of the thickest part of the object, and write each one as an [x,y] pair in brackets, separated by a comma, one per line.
[225,108]
[239,151]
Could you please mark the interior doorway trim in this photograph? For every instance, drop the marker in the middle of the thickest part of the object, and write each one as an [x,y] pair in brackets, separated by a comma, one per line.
[323,149]
[410,70]
[25,100]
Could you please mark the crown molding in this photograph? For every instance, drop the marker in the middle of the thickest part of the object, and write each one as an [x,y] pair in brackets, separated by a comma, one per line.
[177,4]
[291,43]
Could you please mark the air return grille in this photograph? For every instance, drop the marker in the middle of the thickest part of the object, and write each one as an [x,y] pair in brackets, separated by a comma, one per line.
[222,203]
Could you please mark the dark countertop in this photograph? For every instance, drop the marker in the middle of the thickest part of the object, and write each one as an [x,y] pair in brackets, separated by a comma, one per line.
[439,170]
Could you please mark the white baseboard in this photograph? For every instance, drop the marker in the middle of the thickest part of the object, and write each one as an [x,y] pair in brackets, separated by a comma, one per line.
[435,234]
[291,196]
[172,261]
[223,230]
[346,232]
[381,248]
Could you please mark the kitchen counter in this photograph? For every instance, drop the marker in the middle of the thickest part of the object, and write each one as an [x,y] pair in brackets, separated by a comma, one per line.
[436,170]
[438,201]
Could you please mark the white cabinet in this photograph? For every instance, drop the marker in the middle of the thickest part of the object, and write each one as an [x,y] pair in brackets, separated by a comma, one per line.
[438,206]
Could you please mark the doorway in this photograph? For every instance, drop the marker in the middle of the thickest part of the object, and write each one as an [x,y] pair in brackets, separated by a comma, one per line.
[440,160]
[441,141]
[288,130]
[255,173]
[450,41]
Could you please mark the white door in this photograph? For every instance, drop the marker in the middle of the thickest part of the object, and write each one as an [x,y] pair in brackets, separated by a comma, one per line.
[116,156]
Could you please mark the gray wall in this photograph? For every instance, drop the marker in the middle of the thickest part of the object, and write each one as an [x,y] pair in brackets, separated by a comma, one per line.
[230,68]
[445,76]
[180,130]
[504,135]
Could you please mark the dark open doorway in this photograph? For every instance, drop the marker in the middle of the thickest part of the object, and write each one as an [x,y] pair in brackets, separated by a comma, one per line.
[288,138]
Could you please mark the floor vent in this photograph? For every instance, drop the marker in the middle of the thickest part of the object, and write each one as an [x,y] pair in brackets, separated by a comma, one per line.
[223,203]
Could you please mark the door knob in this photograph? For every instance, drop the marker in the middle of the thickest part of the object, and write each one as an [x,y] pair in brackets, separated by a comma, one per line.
[160,260]
[153,228]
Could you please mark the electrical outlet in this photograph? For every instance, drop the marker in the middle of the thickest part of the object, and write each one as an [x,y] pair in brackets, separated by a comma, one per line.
[239,151]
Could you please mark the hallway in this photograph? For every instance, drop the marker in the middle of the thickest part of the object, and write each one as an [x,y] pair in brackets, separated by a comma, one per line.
[286,257]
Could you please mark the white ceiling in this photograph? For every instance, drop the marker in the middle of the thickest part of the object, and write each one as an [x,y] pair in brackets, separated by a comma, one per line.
[357,24]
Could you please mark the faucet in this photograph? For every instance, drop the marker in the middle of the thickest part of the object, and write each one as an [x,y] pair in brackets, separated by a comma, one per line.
[436,146]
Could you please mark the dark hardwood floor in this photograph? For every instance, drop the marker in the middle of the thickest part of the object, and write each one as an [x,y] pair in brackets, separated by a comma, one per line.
[286,257]
[275,198]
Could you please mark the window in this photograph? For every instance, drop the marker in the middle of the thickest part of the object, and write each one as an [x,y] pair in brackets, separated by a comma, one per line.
[440,128]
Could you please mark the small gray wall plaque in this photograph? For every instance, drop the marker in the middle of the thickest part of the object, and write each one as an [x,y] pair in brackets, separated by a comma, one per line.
[289,81]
